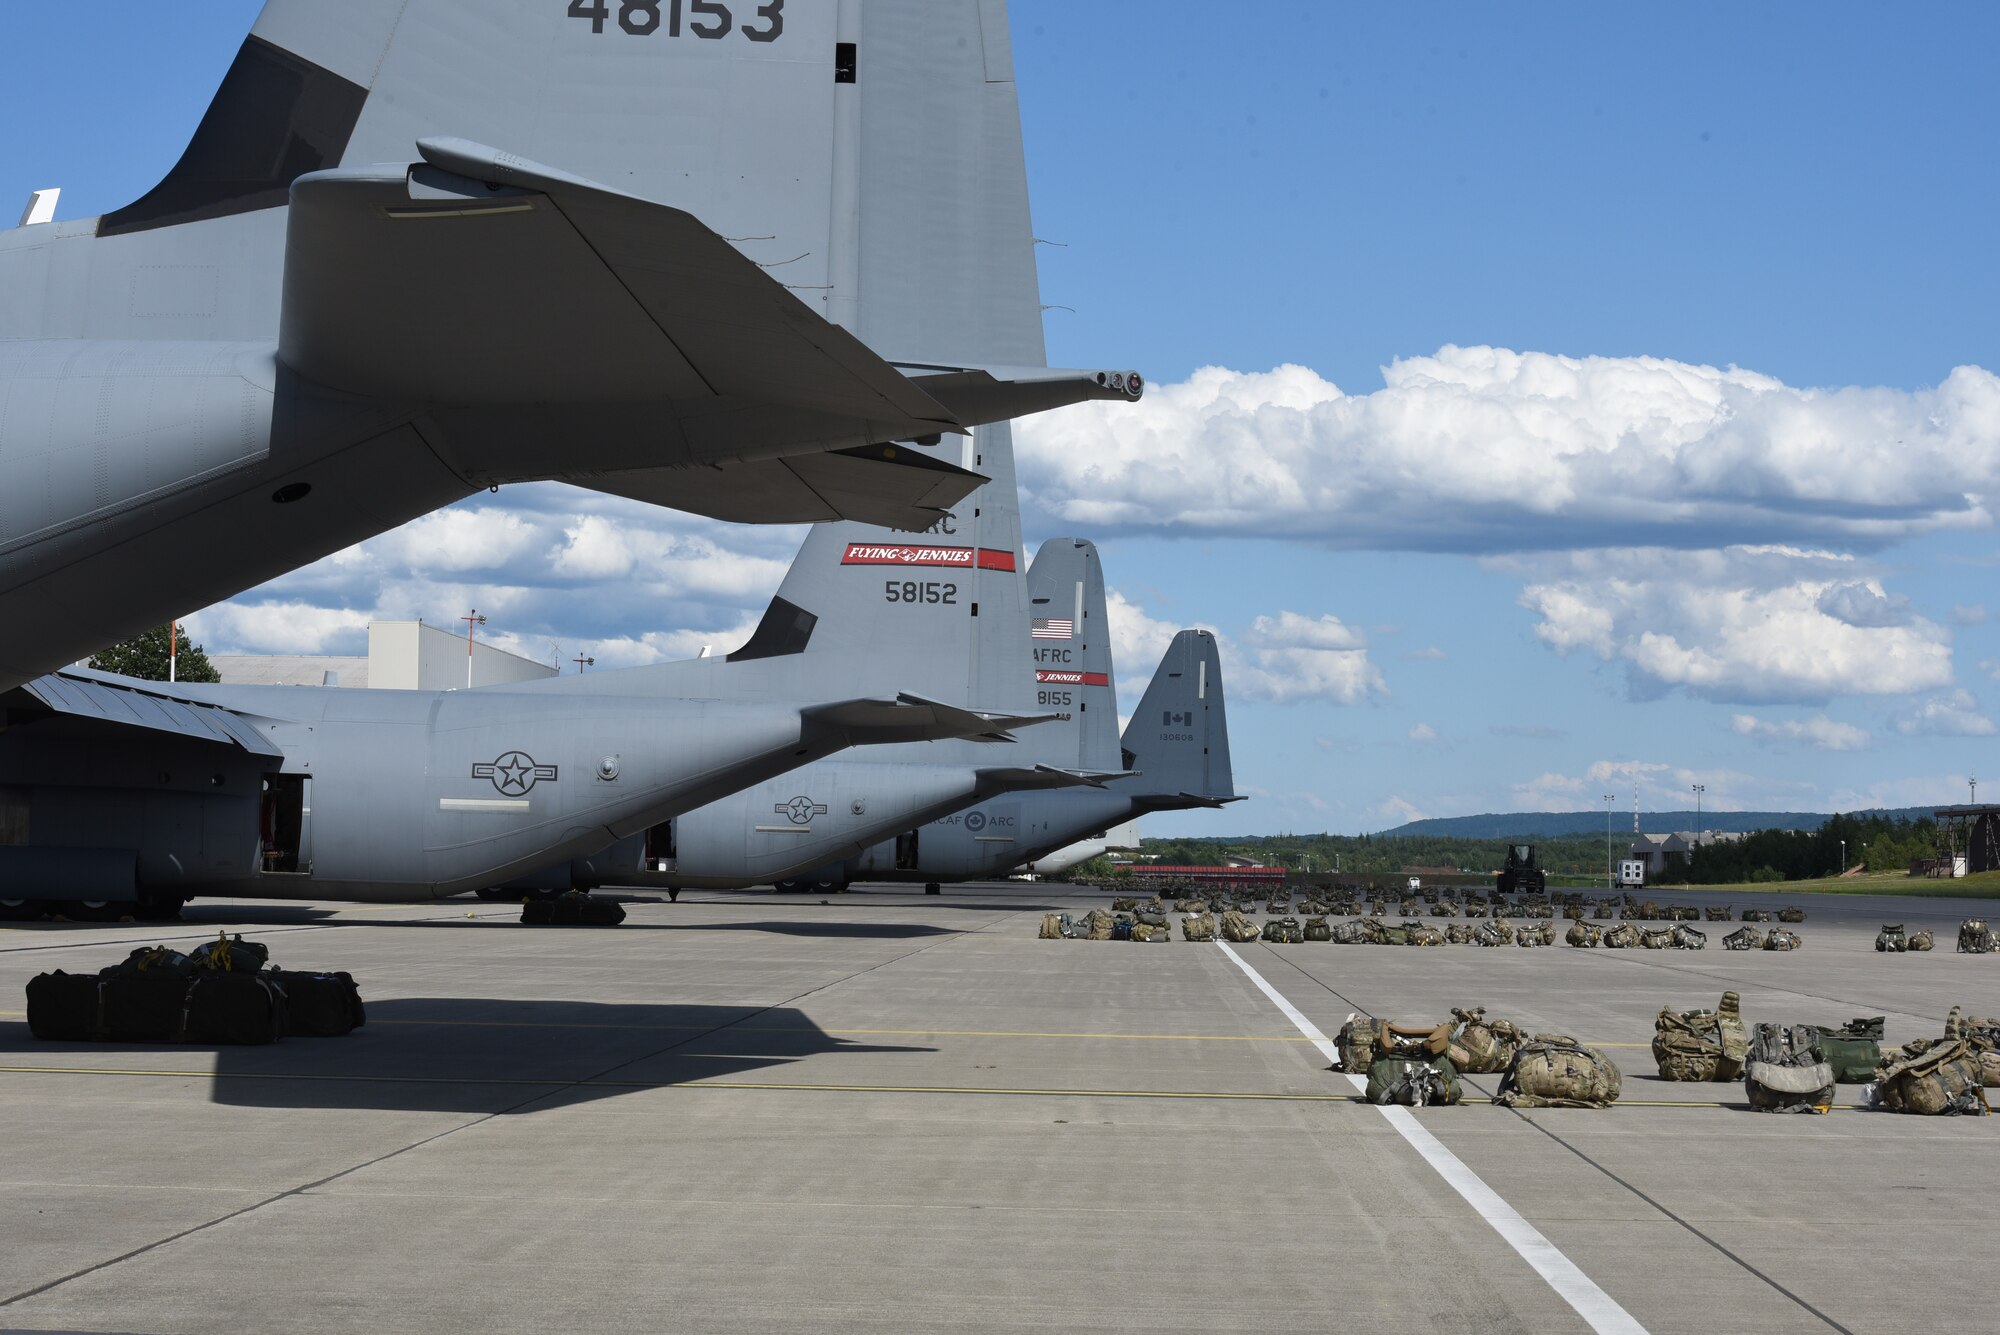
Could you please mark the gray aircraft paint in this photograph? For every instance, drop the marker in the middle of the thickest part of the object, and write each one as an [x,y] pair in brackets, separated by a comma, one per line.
[832,810]
[184,410]
[1177,742]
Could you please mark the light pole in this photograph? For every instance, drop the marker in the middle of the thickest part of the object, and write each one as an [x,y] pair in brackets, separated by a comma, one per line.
[470,622]
[1699,789]
[1610,868]
[1843,858]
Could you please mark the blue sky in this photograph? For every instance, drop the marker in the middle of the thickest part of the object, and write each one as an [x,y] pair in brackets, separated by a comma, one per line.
[1542,542]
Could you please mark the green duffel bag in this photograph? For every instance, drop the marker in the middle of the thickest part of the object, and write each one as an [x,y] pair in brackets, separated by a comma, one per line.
[1413,1081]
[1853,1051]
[1283,930]
[1892,938]
[1395,936]
[1317,929]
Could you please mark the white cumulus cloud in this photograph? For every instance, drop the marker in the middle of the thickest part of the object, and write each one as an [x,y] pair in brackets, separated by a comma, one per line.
[1819,731]
[1486,449]
[1953,714]
[1282,658]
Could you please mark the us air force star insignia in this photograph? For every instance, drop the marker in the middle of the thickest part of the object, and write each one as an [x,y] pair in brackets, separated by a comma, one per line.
[800,810]
[514,773]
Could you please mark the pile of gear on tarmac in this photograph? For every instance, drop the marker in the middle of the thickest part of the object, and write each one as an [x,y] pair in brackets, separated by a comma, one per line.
[1795,1068]
[225,991]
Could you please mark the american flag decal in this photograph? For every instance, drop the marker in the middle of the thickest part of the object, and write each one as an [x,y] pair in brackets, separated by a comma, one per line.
[1051,628]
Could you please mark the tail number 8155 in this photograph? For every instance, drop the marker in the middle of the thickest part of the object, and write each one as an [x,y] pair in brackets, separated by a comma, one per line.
[705,18]
[911,591]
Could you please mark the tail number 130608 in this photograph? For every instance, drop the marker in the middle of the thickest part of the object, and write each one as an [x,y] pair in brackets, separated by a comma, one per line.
[704,18]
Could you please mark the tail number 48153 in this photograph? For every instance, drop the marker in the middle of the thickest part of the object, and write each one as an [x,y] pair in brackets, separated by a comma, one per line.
[704,18]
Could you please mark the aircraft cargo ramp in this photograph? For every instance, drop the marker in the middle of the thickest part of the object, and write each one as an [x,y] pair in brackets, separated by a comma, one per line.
[892,1112]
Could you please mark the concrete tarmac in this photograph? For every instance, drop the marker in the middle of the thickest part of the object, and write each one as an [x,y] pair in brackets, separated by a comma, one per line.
[886,1111]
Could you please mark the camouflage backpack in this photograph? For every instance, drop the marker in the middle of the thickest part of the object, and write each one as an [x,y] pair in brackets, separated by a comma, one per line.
[1941,1077]
[1891,938]
[1622,937]
[1124,904]
[1447,909]
[1573,912]
[1922,941]
[1583,934]
[1409,908]
[1743,938]
[1412,1081]
[1198,927]
[1376,908]
[1150,931]
[1717,912]
[1317,930]
[1236,927]
[1684,913]
[1190,906]
[1284,930]
[1356,1041]
[1780,939]
[1649,911]
[1656,938]
[1097,925]
[1355,932]
[1982,1035]
[1475,908]
[1493,932]
[1393,936]
[1689,938]
[1424,934]
[1787,1071]
[1791,913]
[1701,1045]
[1459,933]
[1536,934]
[1480,1046]
[1756,915]
[1055,926]
[1975,937]
[1556,1071]
[1854,1050]
[1605,909]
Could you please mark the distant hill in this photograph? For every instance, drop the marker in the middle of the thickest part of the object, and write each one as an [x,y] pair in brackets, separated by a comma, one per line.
[1553,824]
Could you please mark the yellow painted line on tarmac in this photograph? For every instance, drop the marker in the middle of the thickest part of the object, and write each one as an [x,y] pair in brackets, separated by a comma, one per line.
[814,1029]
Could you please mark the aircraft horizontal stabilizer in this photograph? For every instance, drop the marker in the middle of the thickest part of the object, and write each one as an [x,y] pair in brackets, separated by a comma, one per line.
[119,703]
[889,486]
[1151,802]
[911,718]
[998,393]
[478,278]
[997,779]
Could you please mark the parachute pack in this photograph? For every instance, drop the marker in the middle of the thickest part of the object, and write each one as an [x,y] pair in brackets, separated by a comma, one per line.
[1941,1077]
[1892,938]
[1702,1045]
[1556,1071]
[1854,1050]
[1975,937]
[1787,1071]
[1480,1046]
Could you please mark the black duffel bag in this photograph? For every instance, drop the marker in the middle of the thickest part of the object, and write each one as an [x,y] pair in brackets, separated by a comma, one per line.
[321,1005]
[231,1007]
[230,954]
[62,1007]
[140,1007]
[572,910]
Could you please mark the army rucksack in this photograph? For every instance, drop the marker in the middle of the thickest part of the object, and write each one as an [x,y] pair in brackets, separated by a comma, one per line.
[1480,1046]
[1656,938]
[1150,917]
[1284,930]
[1756,915]
[1236,927]
[1791,913]
[1892,938]
[1701,1045]
[1354,932]
[1446,909]
[1198,927]
[1573,912]
[1536,934]
[1982,1035]
[1622,937]
[1409,908]
[1423,934]
[1356,1041]
[1717,912]
[1780,939]
[1787,1071]
[1190,906]
[1124,905]
[1097,925]
[1605,909]
[1689,938]
[1317,930]
[1938,1078]
[1376,908]
[1150,931]
[1922,940]
[1055,926]
[1398,935]
[1743,938]
[1556,1071]
[1458,933]
[1475,908]
[1583,934]
[1493,932]
[1854,1050]
[1975,937]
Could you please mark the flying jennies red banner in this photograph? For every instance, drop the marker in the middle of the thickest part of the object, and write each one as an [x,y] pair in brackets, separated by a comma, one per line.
[956,558]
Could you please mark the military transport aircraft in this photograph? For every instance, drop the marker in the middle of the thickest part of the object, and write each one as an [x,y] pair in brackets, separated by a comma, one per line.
[127,796]
[621,246]
[1177,742]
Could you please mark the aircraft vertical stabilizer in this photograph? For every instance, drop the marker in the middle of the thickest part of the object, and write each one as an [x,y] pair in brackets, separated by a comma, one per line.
[1178,738]
[1069,639]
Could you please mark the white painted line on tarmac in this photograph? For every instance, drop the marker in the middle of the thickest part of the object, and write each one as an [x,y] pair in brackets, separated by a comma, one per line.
[1594,1305]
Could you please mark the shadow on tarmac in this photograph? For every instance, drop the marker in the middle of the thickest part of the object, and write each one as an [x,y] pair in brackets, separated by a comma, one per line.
[476,1055]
